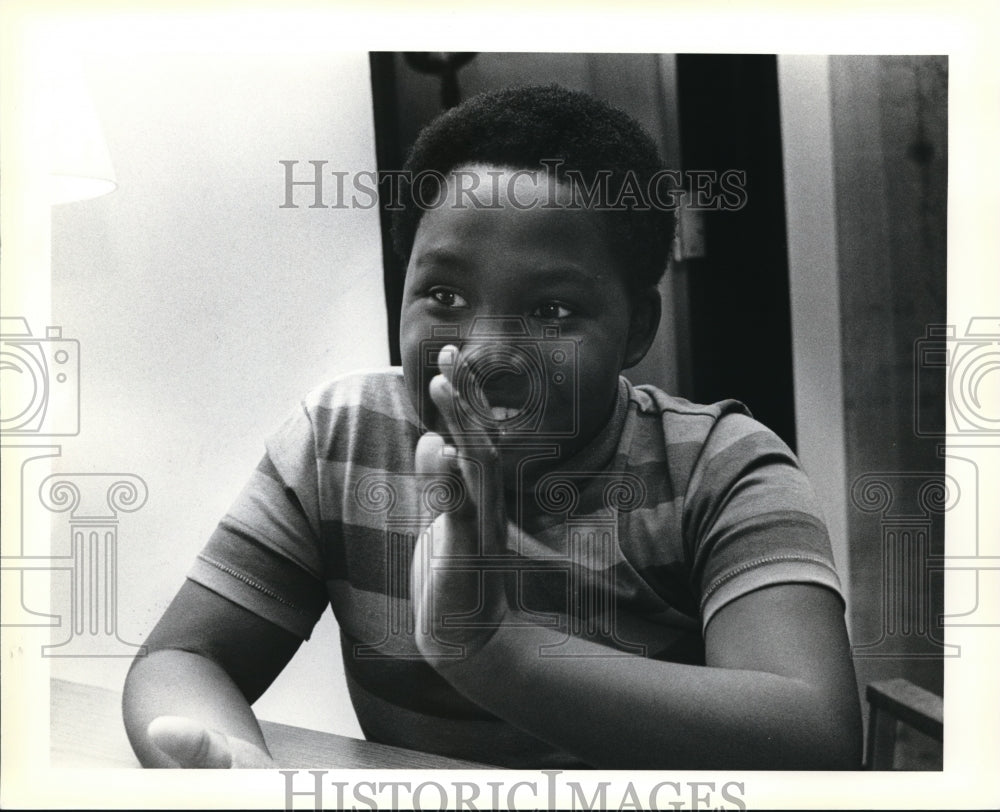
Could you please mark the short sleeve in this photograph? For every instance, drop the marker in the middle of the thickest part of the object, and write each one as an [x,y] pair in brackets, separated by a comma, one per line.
[751,517]
[264,554]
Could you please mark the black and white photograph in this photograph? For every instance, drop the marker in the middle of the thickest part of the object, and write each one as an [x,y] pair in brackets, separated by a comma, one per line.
[596,421]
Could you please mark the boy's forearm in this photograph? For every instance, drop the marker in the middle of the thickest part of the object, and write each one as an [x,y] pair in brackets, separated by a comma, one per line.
[170,682]
[632,712]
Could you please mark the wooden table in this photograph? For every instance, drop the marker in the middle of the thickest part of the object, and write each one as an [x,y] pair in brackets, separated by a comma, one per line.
[86,730]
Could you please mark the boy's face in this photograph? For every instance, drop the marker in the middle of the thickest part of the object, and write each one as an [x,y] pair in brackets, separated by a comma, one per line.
[495,279]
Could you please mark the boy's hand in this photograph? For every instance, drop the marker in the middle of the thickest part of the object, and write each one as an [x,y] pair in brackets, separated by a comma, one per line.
[475,529]
[193,746]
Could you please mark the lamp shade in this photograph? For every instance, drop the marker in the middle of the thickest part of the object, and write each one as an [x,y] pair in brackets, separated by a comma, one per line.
[79,164]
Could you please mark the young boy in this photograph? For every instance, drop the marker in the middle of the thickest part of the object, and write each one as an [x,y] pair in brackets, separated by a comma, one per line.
[533,563]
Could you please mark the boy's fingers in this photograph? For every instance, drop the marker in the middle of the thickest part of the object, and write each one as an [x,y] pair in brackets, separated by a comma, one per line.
[477,444]
[429,457]
[443,395]
[472,454]
[190,743]
[250,756]
[434,457]
[447,358]
[448,400]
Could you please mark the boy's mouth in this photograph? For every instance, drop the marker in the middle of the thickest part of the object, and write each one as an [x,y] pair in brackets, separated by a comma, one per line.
[506,398]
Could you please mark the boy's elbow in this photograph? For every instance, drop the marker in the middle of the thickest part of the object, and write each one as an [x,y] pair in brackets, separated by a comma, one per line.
[840,752]
[849,747]
[813,731]
[817,749]
[835,739]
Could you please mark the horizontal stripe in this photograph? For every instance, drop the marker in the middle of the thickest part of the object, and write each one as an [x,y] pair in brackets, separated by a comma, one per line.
[372,496]
[489,741]
[406,683]
[781,537]
[384,623]
[381,389]
[721,477]
[376,559]
[776,531]
[272,514]
[336,441]
[368,557]
[382,626]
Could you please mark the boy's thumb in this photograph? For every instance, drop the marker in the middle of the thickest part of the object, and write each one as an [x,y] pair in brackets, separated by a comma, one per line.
[190,743]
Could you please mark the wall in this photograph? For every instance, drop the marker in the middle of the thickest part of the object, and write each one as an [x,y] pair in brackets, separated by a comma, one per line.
[204,311]
[866,172]
[890,141]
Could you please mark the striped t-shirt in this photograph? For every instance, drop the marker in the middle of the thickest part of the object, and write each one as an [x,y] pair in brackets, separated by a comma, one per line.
[673,511]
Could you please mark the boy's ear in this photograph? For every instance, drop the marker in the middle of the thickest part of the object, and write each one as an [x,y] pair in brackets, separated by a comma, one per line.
[642,329]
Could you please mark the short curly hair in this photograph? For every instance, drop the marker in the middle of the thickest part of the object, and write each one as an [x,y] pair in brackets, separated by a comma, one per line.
[531,127]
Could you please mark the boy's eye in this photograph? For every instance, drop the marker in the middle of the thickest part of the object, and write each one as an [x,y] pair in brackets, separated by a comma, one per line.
[448,298]
[552,310]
